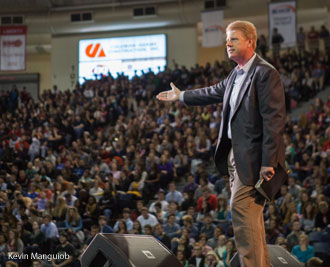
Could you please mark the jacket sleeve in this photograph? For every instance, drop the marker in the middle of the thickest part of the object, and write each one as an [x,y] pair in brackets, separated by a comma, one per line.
[207,95]
[271,102]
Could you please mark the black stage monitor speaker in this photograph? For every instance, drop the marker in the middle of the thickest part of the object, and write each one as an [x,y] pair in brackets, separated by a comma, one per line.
[116,250]
[279,257]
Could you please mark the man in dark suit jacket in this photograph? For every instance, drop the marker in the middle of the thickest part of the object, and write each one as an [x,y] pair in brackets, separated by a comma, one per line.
[198,259]
[250,143]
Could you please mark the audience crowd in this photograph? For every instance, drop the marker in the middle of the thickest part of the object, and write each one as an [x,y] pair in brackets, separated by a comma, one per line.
[107,157]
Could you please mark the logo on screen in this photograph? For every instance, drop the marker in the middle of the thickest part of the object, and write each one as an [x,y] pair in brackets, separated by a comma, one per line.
[94,51]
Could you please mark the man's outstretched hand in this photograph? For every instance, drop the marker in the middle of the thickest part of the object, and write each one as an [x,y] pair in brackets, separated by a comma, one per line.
[170,95]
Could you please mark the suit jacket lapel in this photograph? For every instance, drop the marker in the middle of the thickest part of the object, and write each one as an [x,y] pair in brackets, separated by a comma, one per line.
[246,84]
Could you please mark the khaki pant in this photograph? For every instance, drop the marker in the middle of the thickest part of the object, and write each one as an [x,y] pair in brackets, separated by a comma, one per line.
[247,206]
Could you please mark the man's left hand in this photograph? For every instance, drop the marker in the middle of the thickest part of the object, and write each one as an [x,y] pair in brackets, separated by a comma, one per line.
[267,173]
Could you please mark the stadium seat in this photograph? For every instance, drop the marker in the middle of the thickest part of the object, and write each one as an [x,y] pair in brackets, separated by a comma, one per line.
[321,250]
[315,237]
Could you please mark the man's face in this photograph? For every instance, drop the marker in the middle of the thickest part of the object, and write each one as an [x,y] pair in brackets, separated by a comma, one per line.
[296,226]
[171,219]
[161,196]
[237,44]
[198,251]
[46,220]
[94,231]
[158,230]
[145,214]
[172,187]
[147,231]
[62,239]
[208,220]
[102,222]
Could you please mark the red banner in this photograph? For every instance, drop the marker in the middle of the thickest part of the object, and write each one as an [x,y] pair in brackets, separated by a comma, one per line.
[12,48]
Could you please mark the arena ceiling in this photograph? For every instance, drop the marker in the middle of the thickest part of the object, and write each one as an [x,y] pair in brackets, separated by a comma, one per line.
[9,6]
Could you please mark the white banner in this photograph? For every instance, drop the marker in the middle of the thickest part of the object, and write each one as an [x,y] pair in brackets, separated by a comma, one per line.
[12,48]
[213,29]
[282,15]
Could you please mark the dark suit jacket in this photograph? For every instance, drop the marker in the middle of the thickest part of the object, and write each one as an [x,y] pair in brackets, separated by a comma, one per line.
[257,123]
[192,261]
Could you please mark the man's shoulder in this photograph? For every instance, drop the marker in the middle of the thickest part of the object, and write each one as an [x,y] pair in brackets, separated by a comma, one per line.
[178,193]
[263,65]
[152,216]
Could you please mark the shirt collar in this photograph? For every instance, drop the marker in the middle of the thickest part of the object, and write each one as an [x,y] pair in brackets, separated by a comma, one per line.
[247,66]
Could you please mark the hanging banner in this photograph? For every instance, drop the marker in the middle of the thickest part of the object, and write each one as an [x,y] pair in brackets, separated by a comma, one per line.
[282,15]
[213,28]
[12,48]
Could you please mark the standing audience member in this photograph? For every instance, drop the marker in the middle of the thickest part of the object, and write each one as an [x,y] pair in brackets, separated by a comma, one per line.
[313,39]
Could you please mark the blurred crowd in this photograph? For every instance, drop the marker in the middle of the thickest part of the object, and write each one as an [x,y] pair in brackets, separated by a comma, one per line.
[107,157]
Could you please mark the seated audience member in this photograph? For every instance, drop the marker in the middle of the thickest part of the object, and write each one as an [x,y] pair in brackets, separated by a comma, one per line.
[303,251]
[172,209]
[108,201]
[221,246]
[171,228]
[197,259]
[182,258]
[91,213]
[159,213]
[212,260]
[181,244]
[203,241]
[208,227]
[213,241]
[307,218]
[14,243]
[64,247]
[314,262]
[95,229]
[51,233]
[96,191]
[210,198]
[190,186]
[37,238]
[222,210]
[272,231]
[229,252]
[146,218]
[104,227]
[322,218]
[188,223]
[162,236]
[73,220]
[205,209]
[147,230]
[293,237]
[161,200]
[203,184]
[173,194]
[122,228]
[281,241]
[137,229]
[60,211]
[126,217]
